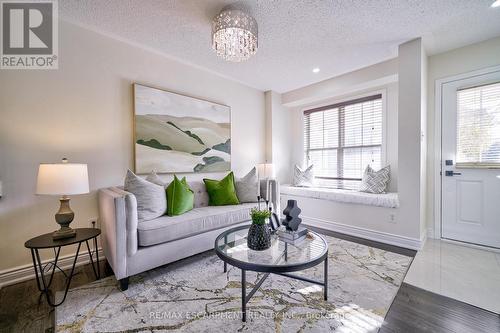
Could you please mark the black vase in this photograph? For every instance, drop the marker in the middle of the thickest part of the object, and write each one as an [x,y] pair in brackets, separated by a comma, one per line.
[259,237]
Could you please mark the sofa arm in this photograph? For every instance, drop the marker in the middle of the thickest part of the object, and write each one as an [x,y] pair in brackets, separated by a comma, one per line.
[118,217]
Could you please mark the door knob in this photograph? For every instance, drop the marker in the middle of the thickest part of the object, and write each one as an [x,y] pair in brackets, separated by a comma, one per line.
[450,173]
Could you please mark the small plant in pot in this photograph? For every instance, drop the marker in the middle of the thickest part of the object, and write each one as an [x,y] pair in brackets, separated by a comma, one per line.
[259,234]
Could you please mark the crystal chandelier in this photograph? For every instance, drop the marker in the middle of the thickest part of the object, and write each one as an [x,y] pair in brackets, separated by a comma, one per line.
[234,35]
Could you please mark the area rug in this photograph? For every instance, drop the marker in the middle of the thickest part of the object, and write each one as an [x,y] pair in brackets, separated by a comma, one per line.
[195,295]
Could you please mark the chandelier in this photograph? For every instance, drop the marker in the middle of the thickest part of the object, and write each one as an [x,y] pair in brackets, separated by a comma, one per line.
[234,35]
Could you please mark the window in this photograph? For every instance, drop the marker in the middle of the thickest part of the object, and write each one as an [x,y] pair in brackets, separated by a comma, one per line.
[478,126]
[340,140]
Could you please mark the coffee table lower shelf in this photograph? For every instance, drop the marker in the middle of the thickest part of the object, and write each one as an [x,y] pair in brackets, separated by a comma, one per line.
[246,298]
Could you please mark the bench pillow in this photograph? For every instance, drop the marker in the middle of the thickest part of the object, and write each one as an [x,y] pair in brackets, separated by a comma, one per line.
[375,181]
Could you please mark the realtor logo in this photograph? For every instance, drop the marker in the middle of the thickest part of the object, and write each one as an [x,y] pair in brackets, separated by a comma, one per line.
[29,35]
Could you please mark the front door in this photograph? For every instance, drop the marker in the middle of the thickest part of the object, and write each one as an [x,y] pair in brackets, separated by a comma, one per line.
[470,165]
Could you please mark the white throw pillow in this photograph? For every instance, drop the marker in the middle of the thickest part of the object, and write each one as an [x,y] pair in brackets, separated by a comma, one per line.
[375,181]
[151,198]
[247,187]
[303,178]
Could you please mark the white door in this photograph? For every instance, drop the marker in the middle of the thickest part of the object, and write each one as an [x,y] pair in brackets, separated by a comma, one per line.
[470,165]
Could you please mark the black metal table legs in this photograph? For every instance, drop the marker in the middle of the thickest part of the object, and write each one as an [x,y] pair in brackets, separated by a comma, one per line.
[245,298]
[40,268]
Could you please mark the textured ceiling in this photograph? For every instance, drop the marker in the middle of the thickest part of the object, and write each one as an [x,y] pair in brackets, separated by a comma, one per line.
[295,36]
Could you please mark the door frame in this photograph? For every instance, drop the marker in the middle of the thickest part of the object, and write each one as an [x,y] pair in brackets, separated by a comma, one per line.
[438,144]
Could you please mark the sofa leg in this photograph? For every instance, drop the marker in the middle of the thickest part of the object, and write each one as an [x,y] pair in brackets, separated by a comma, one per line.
[124,284]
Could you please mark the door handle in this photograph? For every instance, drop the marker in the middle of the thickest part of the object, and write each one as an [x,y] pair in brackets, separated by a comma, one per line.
[450,173]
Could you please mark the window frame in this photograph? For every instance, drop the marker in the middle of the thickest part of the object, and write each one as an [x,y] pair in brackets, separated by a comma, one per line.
[344,101]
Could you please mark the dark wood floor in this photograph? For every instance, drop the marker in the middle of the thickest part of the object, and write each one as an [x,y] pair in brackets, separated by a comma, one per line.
[413,309]
[23,310]
[417,310]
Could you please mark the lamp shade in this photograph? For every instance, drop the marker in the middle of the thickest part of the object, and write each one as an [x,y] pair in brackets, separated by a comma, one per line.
[62,179]
[266,170]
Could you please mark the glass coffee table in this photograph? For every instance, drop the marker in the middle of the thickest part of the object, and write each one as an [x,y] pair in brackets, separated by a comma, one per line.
[281,258]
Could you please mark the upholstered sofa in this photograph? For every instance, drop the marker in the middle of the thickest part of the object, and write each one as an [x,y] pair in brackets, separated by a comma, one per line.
[132,247]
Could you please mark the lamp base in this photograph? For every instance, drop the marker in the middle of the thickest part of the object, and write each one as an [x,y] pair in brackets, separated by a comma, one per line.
[64,232]
[64,217]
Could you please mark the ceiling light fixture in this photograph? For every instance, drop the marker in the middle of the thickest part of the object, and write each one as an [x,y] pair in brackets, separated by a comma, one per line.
[316,70]
[234,35]
[495,4]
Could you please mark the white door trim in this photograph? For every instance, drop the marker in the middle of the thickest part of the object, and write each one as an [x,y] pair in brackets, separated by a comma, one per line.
[438,138]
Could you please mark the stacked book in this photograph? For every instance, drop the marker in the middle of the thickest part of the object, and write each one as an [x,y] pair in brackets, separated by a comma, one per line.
[292,237]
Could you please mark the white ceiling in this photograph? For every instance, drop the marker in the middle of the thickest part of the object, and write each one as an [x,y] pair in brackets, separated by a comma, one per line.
[295,36]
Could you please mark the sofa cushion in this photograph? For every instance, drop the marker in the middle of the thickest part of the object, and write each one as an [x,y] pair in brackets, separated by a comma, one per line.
[169,228]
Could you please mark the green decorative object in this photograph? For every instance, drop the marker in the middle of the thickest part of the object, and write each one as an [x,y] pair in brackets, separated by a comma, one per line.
[221,192]
[180,198]
[259,234]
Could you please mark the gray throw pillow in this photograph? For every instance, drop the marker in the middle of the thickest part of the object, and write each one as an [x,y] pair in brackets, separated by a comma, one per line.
[151,198]
[247,187]
[375,181]
[155,179]
[303,178]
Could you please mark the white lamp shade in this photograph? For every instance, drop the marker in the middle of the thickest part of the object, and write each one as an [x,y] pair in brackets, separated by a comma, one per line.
[265,170]
[62,179]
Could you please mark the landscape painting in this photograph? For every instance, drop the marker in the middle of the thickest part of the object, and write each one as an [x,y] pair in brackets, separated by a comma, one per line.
[176,133]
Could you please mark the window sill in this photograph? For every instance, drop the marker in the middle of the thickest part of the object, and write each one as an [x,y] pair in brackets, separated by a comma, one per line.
[388,200]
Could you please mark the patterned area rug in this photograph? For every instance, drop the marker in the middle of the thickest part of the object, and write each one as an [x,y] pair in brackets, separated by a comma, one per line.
[195,295]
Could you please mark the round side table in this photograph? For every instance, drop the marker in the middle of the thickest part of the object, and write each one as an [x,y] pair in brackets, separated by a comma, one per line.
[45,241]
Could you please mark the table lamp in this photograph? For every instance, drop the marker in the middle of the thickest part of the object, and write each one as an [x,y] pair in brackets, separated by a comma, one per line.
[63,179]
[265,171]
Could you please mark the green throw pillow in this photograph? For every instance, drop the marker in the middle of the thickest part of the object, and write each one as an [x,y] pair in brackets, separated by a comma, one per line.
[221,192]
[180,198]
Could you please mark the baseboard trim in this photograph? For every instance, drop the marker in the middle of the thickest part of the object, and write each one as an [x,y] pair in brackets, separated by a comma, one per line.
[26,272]
[378,236]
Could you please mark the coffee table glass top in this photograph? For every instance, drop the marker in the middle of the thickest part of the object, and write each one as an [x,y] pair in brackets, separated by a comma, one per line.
[232,247]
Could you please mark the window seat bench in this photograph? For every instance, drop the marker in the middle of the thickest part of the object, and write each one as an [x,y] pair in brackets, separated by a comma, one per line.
[389,200]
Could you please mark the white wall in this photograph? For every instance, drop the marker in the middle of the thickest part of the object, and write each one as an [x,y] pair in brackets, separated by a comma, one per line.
[454,62]
[411,136]
[84,111]
[278,136]
[387,224]
[359,83]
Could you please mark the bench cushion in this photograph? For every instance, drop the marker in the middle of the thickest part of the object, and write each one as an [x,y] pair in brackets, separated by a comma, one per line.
[389,200]
[169,228]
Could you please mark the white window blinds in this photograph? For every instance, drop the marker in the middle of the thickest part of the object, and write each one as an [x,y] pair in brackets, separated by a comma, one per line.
[478,126]
[340,140]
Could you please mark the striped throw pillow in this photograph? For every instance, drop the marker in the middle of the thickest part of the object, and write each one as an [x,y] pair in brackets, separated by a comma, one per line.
[375,181]
[303,178]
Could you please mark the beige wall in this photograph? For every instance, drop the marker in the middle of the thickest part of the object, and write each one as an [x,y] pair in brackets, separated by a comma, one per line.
[458,61]
[84,111]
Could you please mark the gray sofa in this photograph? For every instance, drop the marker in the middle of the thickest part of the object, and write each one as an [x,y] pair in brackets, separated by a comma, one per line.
[131,247]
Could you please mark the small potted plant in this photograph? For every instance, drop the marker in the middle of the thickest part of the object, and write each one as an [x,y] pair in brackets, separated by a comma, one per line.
[259,235]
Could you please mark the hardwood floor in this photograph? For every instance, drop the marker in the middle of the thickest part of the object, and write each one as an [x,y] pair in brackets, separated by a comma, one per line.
[23,310]
[413,309]
[417,310]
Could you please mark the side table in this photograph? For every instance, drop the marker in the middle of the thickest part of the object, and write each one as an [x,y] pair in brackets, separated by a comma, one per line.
[45,241]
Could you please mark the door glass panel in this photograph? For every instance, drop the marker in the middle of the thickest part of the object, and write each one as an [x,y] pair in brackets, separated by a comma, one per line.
[478,126]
